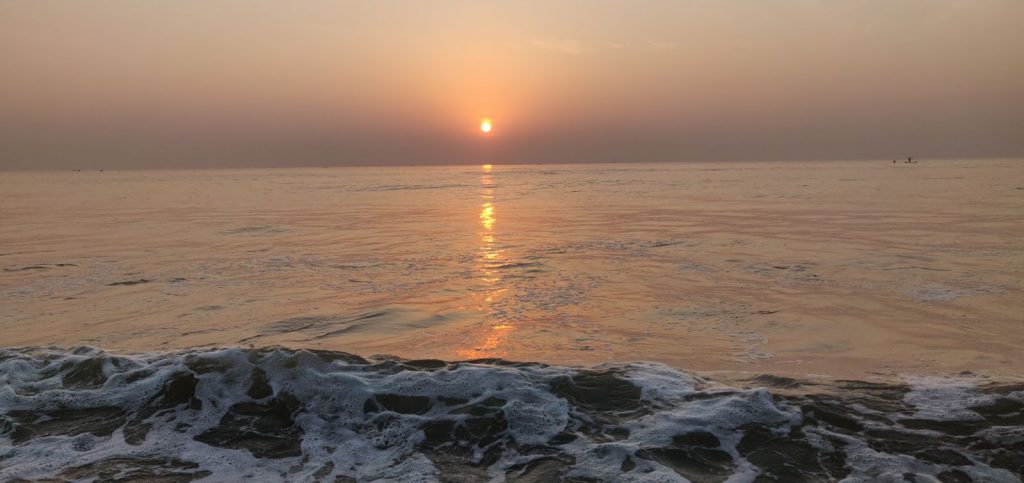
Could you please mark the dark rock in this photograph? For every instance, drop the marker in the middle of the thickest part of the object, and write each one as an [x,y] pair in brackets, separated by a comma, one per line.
[617,432]
[427,364]
[457,469]
[954,476]
[156,470]
[833,414]
[371,406]
[266,430]
[699,465]
[84,374]
[942,456]
[541,470]
[260,387]
[1011,459]
[438,432]
[697,438]
[102,421]
[135,433]
[563,438]
[482,431]
[452,401]
[403,404]
[464,438]
[788,458]
[205,365]
[598,391]
[324,470]
[180,389]
[1002,412]
[955,428]
[894,441]
[482,408]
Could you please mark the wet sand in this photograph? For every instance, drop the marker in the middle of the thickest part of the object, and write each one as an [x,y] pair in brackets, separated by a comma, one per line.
[816,269]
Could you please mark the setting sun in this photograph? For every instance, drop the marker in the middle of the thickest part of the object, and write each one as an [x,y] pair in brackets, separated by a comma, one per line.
[724,250]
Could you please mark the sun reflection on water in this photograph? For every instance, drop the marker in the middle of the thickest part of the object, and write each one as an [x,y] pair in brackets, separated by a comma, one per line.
[488,339]
[487,220]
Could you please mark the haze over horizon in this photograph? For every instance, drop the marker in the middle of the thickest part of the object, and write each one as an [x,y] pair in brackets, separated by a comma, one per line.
[234,83]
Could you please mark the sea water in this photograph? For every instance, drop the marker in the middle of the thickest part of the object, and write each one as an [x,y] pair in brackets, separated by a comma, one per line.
[614,322]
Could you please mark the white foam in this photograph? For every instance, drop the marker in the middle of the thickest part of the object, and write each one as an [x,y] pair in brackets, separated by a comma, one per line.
[338,435]
[944,398]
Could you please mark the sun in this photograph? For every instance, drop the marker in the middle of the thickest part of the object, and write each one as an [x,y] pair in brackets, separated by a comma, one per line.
[486,125]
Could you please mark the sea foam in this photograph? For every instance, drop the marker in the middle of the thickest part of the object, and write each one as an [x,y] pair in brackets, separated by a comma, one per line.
[283,415]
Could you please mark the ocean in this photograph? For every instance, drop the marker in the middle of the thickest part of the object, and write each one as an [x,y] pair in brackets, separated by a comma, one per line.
[770,321]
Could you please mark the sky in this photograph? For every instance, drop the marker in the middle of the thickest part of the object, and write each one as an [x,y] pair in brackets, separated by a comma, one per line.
[252,83]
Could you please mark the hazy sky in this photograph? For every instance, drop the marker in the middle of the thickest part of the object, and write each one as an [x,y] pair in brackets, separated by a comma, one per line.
[194,83]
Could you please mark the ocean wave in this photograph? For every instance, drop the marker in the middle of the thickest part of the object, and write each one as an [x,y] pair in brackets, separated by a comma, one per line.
[276,414]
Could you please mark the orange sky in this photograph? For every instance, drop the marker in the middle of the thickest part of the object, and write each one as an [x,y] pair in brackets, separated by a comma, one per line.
[256,83]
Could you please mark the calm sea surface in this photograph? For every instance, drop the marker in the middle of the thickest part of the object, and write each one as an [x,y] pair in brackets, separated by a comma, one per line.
[834,268]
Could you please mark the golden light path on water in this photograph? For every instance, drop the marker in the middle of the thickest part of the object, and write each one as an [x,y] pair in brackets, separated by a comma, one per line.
[784,268]
[496,328]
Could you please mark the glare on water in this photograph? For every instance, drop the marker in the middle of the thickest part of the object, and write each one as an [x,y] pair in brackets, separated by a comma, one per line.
[840,268]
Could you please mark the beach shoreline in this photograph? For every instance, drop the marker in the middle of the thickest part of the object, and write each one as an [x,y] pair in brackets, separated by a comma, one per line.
[277,414]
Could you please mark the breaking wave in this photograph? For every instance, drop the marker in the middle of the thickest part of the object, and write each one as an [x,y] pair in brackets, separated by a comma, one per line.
[280,415]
